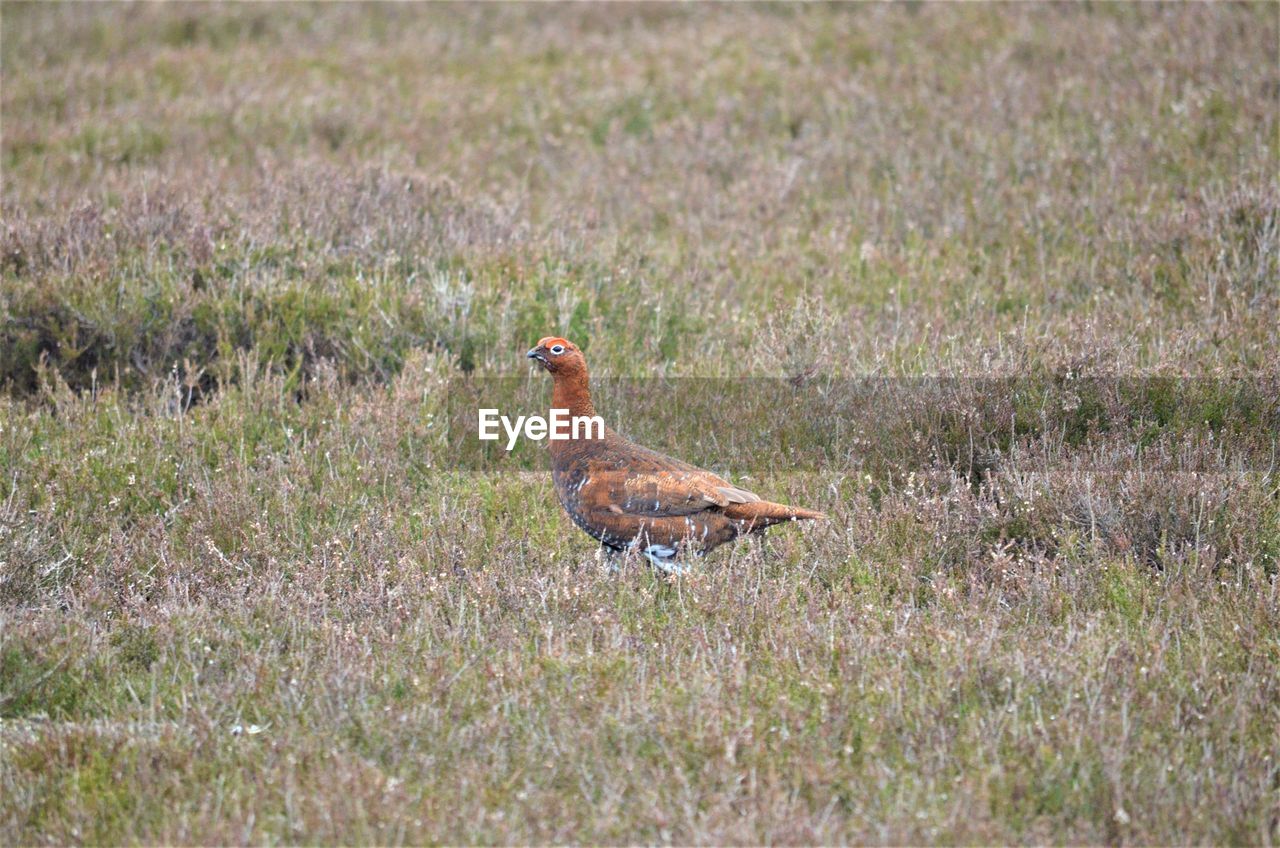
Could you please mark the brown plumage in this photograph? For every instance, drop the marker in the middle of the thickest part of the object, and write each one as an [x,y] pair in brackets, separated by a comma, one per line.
[628,497]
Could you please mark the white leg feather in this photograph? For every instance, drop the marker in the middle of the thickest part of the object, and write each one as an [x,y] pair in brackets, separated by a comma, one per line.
[664,558]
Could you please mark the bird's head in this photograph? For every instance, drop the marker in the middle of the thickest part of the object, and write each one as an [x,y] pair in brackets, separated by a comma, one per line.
[559,356]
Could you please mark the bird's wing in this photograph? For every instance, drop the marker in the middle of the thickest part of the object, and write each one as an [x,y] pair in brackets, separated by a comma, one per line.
[650,484]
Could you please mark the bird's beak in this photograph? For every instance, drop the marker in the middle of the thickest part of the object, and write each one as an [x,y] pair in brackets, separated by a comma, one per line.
[536,353]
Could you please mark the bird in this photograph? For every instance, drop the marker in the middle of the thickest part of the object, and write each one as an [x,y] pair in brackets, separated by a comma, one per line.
[630,498]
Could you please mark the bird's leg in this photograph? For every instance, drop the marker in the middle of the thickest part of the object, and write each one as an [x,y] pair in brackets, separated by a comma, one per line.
[611,557]
[666,559]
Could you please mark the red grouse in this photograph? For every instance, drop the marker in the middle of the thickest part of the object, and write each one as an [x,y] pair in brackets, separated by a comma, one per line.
[631,498]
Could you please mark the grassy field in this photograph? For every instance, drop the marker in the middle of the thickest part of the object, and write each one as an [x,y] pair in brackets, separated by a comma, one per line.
[996,287]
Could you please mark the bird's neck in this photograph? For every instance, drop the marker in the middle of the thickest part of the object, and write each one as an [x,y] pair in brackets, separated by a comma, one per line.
[570,392]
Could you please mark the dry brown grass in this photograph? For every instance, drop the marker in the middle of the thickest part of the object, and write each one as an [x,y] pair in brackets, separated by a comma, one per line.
[1017,265]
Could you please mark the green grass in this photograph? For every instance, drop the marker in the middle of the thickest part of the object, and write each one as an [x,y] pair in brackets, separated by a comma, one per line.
[996,288]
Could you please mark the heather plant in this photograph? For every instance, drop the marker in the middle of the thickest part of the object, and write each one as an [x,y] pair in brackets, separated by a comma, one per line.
[996,288]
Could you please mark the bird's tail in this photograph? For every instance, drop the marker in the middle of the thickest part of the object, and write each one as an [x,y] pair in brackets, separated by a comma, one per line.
[761,514]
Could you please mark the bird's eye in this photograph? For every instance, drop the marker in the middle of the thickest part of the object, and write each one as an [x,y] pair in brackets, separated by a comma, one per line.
[557,349]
